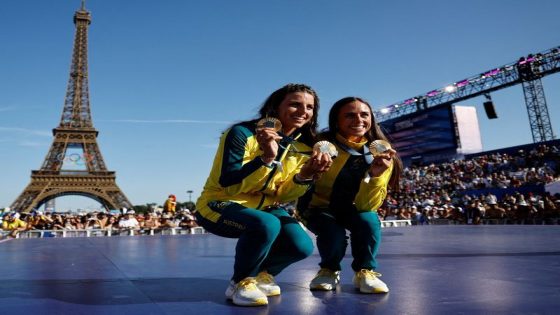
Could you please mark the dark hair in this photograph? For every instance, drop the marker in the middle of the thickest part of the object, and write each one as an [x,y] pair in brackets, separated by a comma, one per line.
[270,109]
[374,133]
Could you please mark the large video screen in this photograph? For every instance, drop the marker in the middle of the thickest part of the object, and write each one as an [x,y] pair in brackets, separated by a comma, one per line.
[426,135]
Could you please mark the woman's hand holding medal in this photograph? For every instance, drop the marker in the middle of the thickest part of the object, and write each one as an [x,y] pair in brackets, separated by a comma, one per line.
[267,137]
[320,161]
[382,157]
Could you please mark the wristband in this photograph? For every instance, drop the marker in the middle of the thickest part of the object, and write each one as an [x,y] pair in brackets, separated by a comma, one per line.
[298,180]
[269,165]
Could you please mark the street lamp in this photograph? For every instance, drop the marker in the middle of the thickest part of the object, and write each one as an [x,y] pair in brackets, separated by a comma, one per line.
[190,195]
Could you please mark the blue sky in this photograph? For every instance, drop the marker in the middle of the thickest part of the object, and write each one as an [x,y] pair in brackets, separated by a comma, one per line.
[167,77]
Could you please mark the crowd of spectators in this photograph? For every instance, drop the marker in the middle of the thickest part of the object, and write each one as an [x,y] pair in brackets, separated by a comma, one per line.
[125,221]
[498,186]
[507,187]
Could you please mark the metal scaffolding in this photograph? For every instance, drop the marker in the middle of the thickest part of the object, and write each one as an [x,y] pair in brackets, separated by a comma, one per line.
[527,71]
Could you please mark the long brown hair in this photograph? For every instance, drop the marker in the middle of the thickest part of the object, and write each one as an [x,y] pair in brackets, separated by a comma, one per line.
[374,133]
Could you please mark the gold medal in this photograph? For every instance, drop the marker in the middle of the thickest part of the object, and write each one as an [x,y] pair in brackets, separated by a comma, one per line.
[269,122]
[325,147]
[378,147]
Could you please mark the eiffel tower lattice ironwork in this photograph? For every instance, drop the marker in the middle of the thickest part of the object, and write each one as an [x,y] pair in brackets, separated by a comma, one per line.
[74,164]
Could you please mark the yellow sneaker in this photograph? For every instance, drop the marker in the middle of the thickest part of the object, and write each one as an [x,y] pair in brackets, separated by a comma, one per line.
[246,293]
[265,282]
[368,282]
[325,280]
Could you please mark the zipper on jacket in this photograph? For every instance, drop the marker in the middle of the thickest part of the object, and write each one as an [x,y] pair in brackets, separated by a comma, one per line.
[278,158]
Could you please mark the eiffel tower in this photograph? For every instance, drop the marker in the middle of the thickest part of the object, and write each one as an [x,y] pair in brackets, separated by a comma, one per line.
[74,164]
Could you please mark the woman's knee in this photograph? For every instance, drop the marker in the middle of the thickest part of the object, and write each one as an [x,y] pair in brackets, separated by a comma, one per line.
[304,247]
[301,248]
[295,240]
[266,228]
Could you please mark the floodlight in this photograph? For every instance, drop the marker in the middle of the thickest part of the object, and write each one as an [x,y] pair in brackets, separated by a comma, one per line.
[450,88]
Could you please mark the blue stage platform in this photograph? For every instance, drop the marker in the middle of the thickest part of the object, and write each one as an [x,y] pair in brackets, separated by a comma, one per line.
[429,269]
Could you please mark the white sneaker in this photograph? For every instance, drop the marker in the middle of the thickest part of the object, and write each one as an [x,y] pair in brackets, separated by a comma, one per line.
[368,282]
[230,290]
[325,280]
[246,293]
[265,282]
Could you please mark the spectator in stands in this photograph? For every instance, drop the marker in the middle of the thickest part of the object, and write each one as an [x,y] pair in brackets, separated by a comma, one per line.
[551,210]
[188,220]
[170,204]
[140,218]
[129,222]
[473,214]
[493,210]
[433,214]
[49,223]
[423,217]
[445,212]
[380,212]
[151,222]
[349,195]
[83,219]
[522,209]
[29,220]
[256,167]
[102,220]
[13,224]
[415,215]
[112,223]
[69,222]
[38,221]
[81,222]
[167,221]
[403,214]
[91,221]
[58,222]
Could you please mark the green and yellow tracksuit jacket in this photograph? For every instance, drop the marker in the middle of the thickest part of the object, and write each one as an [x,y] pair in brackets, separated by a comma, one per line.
[239,175]
[346,184]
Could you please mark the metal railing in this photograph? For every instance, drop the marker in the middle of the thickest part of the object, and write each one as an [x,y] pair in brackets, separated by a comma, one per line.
[103,232]
[132,232]
[395,223]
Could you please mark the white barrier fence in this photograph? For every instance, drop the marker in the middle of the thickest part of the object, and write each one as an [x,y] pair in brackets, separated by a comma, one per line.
[395,223]
[131,232]
[101,233]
